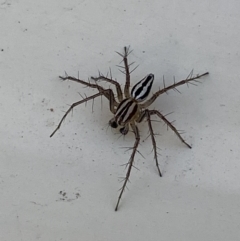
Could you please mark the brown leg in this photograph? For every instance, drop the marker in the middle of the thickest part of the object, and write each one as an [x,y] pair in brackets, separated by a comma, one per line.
[130,163]
[111,81]
[155,112]
[127,72]
[109,94]
[189,80]
[147,114]
[95,86]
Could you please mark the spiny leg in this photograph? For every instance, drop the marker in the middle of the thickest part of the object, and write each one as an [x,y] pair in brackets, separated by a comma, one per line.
[88,84]
[95,86]
[189,80]
[127,72]
[155,112]
[111,81]
[130,163]
[110,94]
[147,114]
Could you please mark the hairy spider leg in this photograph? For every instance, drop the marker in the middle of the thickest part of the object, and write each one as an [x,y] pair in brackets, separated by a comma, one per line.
[130,162]
[107,92]
[169,124]
[113,102]
[111,81]
[127,72]
[147,115]
[173,86]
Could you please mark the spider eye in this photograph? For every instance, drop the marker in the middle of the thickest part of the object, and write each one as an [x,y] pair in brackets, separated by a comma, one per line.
[141,90]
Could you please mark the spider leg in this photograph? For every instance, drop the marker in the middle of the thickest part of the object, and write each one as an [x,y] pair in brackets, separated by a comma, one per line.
[111,81]
[155,112]
[130,163]
[146,114]
[189,79]
[88,84]
[108,93]
[127,72]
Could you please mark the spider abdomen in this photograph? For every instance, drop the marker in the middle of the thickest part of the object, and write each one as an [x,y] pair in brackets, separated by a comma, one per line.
[127,111]
[141,90]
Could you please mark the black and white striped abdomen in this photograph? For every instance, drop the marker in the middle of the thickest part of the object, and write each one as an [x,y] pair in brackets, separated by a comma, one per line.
[141,90]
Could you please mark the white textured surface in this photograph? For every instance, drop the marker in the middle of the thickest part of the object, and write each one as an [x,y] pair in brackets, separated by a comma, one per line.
[198,196]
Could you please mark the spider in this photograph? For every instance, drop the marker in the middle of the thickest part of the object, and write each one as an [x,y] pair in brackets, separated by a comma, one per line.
[130,107]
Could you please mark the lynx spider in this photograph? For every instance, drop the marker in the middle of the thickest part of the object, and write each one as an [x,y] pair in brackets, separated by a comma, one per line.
[131,108]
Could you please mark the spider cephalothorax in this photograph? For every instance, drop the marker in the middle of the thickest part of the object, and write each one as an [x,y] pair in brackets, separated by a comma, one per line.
[130,108]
